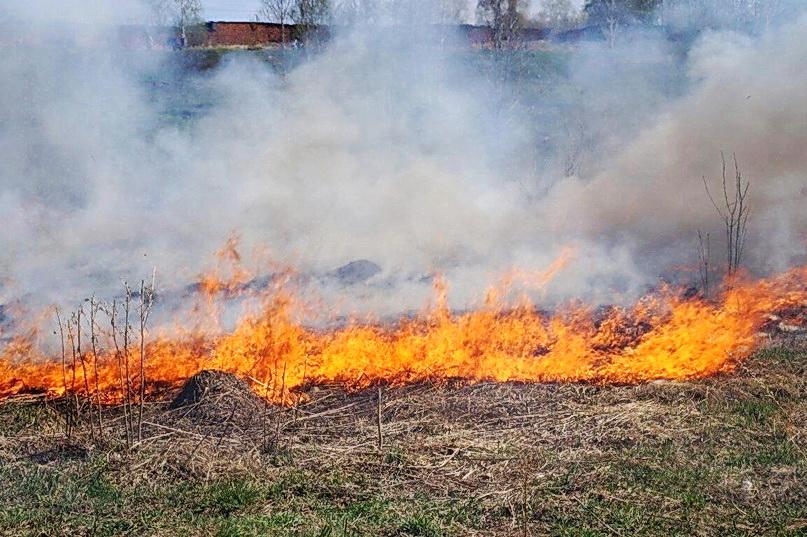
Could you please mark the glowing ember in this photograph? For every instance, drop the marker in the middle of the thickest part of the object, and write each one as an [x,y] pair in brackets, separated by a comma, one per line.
[662,337]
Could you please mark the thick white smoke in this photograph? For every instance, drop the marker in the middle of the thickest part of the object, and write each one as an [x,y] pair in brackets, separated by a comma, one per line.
[396,149]
[747,98]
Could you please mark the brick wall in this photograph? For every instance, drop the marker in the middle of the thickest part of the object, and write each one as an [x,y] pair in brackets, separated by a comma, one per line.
[249,34]
[211,34]
[253,34]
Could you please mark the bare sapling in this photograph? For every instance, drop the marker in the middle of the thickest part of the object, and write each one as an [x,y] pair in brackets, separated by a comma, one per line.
[734,212]
[82,360]
[280,12]
[146,303]
[282,402]
[68,416]
[94,308]
[127,308]
[300,395]
[265,417]
[612,28]
[71,338]
[704,257]
[379,431]
[113,318]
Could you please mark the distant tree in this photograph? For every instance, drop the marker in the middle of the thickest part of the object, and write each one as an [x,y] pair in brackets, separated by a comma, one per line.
[504,17]
[419,12]
[278,11]
[310,16]
[613,15]
[626,10]
[746,15]
[351,12]
[688,13]
[755,14]
[610,14]
[559,14]
[183,14]
[451,11]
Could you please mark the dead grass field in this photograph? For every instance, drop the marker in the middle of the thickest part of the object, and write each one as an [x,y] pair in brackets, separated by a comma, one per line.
[720,456]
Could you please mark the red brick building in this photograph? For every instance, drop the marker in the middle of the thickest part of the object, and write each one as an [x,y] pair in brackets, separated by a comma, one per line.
[256,34]
[245,34]
[211,34]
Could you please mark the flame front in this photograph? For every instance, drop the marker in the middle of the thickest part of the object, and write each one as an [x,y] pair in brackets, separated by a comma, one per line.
[663,336]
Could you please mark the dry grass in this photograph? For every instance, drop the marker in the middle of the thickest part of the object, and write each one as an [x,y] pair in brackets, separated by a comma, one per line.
[723,455]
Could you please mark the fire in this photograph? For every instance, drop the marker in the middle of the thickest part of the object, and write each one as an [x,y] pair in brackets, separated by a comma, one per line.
[229,276]
[664,336]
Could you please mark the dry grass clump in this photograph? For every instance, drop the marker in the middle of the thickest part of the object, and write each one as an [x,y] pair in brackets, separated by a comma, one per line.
[217,398]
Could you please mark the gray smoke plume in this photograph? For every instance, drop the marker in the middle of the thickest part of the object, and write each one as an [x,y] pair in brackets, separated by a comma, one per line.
[746,97]
[387,157]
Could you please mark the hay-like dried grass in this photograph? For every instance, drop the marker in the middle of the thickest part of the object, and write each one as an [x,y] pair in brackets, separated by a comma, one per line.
[523,454]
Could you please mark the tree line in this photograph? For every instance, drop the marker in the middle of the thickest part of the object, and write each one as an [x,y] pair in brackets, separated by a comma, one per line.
[504,17]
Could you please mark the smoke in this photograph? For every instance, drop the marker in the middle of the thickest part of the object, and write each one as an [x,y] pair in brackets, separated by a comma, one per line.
[398,149]
[747,98]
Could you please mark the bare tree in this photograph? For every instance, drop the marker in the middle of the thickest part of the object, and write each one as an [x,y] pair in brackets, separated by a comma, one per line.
[311,13]
[181,13]
[610,14]
[503,17]
[352,12]
[704,258]
[559,14]
[734,212]
[311,16]
[577,142]
[278,11]
[613,15]
[451,11]
[766,11]
[748,15]
[418,12]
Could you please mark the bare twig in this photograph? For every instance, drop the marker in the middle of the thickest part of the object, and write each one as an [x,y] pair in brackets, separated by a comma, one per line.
[704,256]
[67,417]
[86,377]
[113,315]
[126,328]
[94,307]
[146,303]
[525,498]
[71,337]
[380,435]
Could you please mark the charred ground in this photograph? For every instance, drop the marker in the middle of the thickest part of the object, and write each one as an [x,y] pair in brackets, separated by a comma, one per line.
[723,455]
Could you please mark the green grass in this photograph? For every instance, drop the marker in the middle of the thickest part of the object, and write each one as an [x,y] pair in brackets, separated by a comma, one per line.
[85,499]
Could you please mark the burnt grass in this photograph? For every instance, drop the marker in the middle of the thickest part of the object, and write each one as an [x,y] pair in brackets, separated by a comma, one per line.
[719,456]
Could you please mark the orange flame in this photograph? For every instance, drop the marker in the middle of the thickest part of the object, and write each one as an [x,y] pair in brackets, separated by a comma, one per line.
[661,337]
[229,276]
